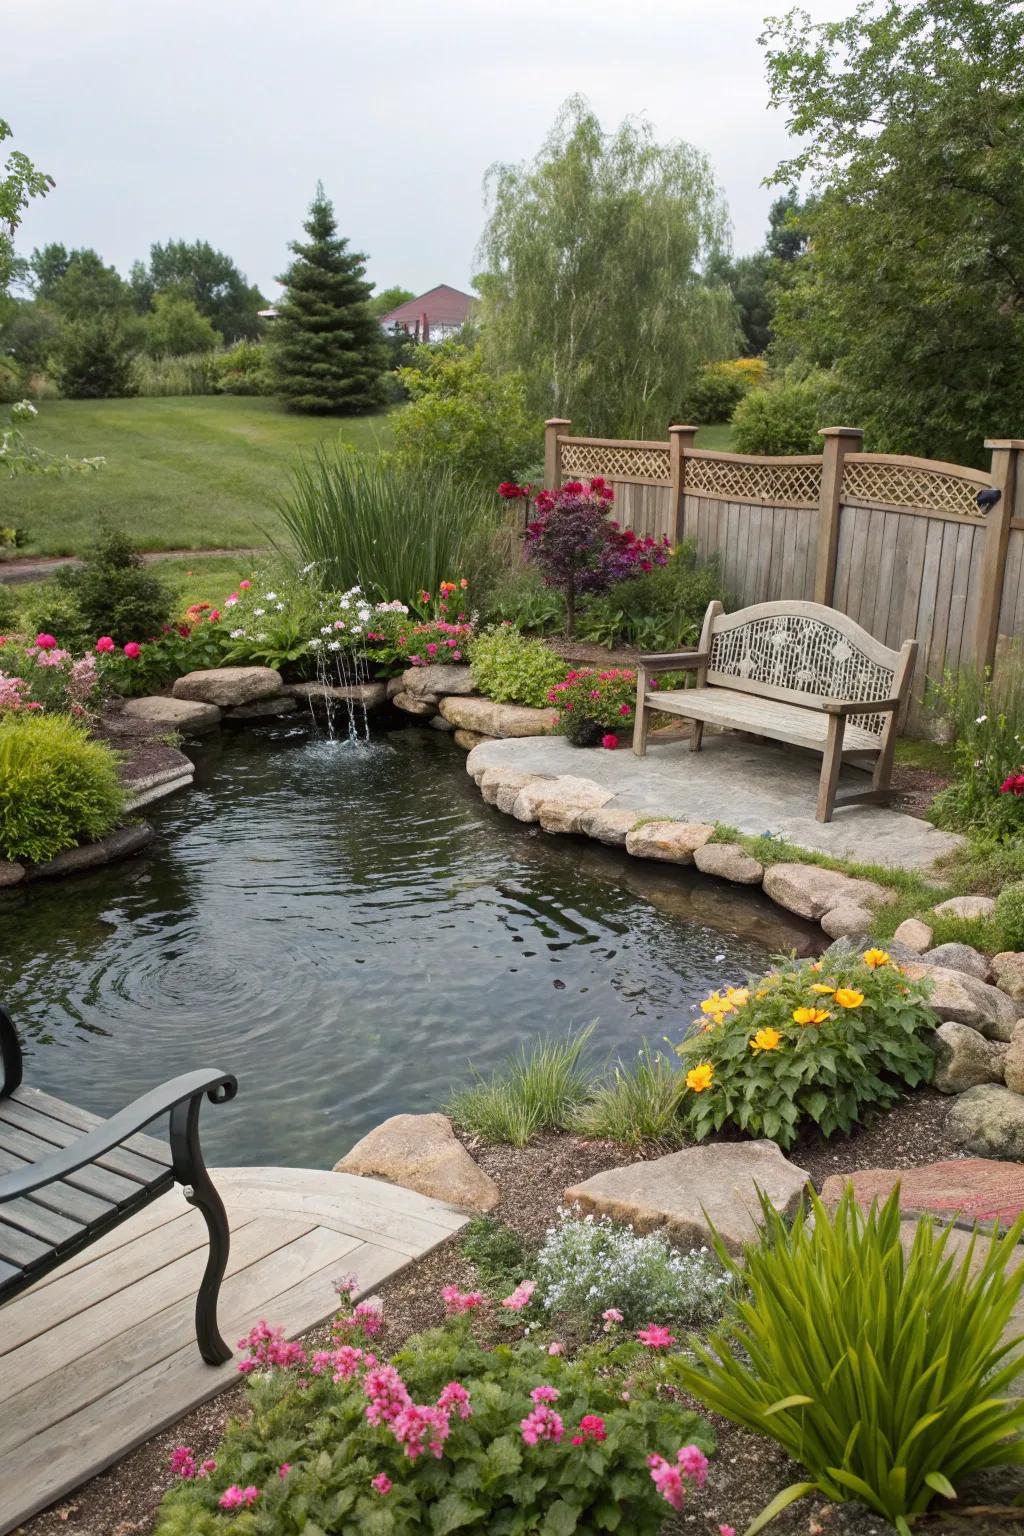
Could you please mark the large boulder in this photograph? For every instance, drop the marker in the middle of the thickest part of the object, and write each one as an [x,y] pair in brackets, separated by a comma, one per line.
[729,862]
[914,934]
[957,957]
[116,845]
[436,681]
[964,999]
[467,740]
[1008,970]
[811,891]
[967,906]
[511,780]
[226,686]
[989,1121]
[319,695]
[10,874]
[559,803]
[423,1153]
[672,842]
[412,704]
[186,715]
[606,825]
[262,709]
[964,1058]
[965,1188]
[848,920]
[684,1193]
[503,720]
[1013,1062]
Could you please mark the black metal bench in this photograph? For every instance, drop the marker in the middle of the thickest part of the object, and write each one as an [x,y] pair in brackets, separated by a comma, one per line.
[66,1177]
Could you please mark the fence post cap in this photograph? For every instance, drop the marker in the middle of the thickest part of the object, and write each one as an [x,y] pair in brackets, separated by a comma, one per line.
[684,429]
[841,432]
[1004,442]
[558,421]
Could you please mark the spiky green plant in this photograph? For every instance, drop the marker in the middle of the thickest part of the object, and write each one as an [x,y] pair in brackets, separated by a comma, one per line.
[638,1103]
[536,1090]
[877,1363]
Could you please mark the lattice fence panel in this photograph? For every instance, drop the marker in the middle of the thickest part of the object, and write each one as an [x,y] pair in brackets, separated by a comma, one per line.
[806,655]
[624,461]
[903,485]
[787,484]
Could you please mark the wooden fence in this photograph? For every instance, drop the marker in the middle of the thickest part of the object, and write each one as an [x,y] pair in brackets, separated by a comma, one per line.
[900,544]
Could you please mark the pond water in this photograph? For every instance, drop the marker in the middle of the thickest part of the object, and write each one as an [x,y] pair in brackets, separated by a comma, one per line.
[346,927]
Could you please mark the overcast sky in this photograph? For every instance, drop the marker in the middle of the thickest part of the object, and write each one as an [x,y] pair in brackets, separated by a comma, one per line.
[213,119]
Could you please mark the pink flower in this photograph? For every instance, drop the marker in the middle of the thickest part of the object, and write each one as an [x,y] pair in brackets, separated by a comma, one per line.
[542,1424]
[214,615]
[556,1349]
[388,1395]
[365,1316]
[625,709]
[455,1396]
[46,642]
[655,1336]
[207,1467]
[591,1428]
[244,586]
[456,1301]
[284,1469]
[382,1483]
[545,1394]
[133,649]
[417,1425]
[610,742]
[431,649]
[238,1498]
[667,1479]
[612,1315]
[520,1297]
[693,1463]
[726,1530]
[268,1347]
[417,661]
[183,1462]
[105,643]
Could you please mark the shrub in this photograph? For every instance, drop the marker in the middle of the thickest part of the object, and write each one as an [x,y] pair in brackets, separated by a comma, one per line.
[496,1252]
[335,1444]
[594,706]
[807,1044]
[93,358]
[195,374]
[986,717]
[522,597]
[243,369]
[536,1090]
[882,1371]
[658,610]
[463,417]
[720,387]
[9,609]
[1009,916]
[391,529]
[587,1266]
[52,610]
[639,1105]
[509,667]
[176,327]
[114,593]
[785,417]
[57,787]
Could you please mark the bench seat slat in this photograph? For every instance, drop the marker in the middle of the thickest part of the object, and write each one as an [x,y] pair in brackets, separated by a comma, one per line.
[28,1215]
[768,717]
[59,1196]
[26,1117]
[19,1249]
[85,1120]
[94,1180]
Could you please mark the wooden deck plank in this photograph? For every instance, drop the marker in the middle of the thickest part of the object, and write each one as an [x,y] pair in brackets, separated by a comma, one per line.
[82,1396]
[168,1208]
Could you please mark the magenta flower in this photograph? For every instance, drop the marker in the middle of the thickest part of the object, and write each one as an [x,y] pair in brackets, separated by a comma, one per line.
[555,1348]
[591,1428]
[520,1297]
[455,1396]
[46,642]
[542,1424]
[610,741]
[284,1469]
[693,1464]
[545,1394]
[655,1336]
[183,1462]
[667,1479]
[612,1315]
[382,1483]
[456,1301]
[133,649]
[105,643]
[238,1498]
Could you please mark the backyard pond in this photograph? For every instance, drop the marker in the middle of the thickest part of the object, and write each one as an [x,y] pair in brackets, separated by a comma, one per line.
[346,927]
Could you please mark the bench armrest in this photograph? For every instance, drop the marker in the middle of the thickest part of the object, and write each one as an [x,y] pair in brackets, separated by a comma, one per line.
[10,1055]
[674,661]
[219,1088]
[861,706]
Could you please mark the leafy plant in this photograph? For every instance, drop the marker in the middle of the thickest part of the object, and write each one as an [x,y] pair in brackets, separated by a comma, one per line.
[985,715]
[536,1090]
[114,593]
[808,1043]
[638,1105]
[509,667]
[496,1252]
[522,597]
[194,374]
[93,358]
[587,1266]
[463,416]
[43,675]
[882,1369]
[658,610]
[1008,916]
[720,387]
[784,417]
[593,706]
[57,787]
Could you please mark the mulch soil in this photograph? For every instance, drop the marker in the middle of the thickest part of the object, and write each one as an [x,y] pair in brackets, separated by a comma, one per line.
[746,1471]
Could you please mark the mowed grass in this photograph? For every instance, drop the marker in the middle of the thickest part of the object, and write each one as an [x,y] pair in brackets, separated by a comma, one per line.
[200,472]
[719,436]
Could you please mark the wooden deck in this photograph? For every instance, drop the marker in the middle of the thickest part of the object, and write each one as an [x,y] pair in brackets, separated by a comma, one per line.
[100,1354]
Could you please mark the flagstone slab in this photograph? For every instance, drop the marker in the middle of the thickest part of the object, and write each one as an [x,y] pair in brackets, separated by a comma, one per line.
[966,1189]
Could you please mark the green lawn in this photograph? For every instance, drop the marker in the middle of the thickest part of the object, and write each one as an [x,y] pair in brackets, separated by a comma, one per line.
[200,472]
[718,436]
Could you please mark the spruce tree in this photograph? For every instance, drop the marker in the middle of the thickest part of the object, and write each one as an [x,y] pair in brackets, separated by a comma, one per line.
[328,353]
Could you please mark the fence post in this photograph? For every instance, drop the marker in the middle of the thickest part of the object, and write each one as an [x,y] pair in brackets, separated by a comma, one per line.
[552,452]
[680,441]
[839,441]
[1006,455]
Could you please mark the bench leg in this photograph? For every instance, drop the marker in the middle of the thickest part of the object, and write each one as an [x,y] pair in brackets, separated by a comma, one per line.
[696,734]
[642,715]
[831,763]
[190,1170]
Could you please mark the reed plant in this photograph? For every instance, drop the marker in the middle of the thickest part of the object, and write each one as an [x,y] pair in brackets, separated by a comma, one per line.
[536,1090]
[195,373]
[637,1104]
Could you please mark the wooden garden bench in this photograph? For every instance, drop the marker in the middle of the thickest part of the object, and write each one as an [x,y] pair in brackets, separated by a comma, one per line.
[796,672]
[67,1177]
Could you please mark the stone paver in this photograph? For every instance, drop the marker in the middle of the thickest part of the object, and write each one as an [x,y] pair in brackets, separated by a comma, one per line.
[229,685]
[422,1152]
[187,715]
[679,1194]
[967,1189]
[755,787]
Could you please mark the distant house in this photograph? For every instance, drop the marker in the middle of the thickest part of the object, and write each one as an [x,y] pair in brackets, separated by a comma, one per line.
[440,312]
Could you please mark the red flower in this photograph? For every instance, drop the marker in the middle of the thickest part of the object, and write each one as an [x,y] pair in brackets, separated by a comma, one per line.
[610,742]
[1014,785]
[133,649]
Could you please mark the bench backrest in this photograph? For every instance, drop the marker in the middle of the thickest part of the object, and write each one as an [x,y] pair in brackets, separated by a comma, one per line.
[803,653]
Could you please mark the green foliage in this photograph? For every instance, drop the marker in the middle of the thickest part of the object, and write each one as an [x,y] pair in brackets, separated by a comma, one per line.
[785,417]
[195,374]
[536,1090]
[509,667]
[1009,915]
[660,610]
[208,278]
[93,358]
[593,285]
[586,1266]
[243,370]
[882,1371]
[53,610]
[986,718]
[638,1106]
[114,593]
[20,182]
[177,327]
[606,699]
[909,125]
[326,353]
[90,290]
[521,596]
[721,386]
[57,787]
[387,299]
[755,281]
[464,415]
[390,528]
[809,1044]
[496,1252]
[486,1478]
[9,610]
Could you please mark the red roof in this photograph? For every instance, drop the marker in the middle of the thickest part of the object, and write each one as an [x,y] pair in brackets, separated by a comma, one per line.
[441,305]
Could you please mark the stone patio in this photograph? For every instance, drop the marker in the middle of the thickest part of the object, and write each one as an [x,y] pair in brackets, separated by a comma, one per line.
[754,786]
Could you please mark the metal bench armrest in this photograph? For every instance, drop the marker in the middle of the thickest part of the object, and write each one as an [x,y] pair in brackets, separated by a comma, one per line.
[860,706]
[219,1088]
[10,1054]
[674,661]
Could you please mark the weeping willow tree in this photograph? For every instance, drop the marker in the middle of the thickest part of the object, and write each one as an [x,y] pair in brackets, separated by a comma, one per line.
[593,274]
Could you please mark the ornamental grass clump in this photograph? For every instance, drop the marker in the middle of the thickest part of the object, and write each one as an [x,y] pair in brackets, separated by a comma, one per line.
[879,1364]
[807,1043]
[57,787]
[536,1090]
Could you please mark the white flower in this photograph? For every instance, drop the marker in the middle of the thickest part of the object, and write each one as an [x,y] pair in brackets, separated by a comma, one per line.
[237,634]
[344,603]
[315,645]
[268,597]
[23,411]
[339,623]
[229,602]
[334,645]
[326,629]
[280,607]
[258,613]
[307,568]
[981,720]
[357,629]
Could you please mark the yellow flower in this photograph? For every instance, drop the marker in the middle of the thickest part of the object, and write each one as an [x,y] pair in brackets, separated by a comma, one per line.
[821,986]
[810,1015]
[848,997]
[716,1004]
[737,996]
[765,1040]
[762,993]
[875,958]
[700,1077]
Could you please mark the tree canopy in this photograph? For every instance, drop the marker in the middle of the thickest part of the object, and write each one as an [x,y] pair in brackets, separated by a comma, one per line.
[193,269]
[388,299]
[911,132]
[594,280]
[20,182]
